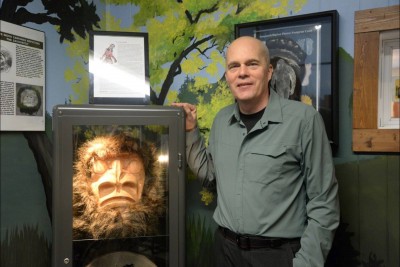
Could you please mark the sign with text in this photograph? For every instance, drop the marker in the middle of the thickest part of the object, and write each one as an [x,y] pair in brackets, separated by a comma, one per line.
[22,90]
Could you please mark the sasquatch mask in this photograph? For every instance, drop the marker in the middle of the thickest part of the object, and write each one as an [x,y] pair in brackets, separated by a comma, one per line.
[118,191]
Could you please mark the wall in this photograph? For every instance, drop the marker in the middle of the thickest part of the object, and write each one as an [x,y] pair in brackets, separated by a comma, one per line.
[369,183]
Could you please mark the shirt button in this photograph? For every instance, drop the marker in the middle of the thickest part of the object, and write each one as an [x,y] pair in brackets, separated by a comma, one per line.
[244,134]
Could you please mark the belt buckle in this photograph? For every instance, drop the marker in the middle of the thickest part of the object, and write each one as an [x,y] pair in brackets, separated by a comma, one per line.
[275,243]
[243,245]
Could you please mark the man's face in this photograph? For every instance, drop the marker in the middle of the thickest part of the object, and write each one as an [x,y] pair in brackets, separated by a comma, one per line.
[247,71]
[117,181]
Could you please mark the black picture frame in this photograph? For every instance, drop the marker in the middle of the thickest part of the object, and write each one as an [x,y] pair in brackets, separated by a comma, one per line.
[119,68]
[162,127]
[308,44]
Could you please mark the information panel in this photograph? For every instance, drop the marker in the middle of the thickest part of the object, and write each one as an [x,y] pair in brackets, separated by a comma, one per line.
[22,69]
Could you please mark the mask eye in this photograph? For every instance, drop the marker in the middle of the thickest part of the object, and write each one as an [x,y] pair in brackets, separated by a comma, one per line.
[99,166]
[133,167]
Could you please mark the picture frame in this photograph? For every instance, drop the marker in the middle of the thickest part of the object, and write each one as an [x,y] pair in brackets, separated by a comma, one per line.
[304,53]
[119,68]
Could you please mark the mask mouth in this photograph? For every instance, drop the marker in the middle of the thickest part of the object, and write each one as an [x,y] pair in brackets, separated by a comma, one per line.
[117,202]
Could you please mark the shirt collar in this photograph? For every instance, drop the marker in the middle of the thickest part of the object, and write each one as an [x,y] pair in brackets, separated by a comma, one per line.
[272,113]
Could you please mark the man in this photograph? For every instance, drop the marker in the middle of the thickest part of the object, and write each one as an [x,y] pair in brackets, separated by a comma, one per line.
[271,161]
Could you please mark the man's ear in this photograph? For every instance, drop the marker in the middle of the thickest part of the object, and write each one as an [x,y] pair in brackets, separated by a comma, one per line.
[270,71]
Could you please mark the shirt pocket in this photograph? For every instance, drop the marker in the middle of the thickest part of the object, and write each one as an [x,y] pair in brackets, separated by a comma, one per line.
[264,163]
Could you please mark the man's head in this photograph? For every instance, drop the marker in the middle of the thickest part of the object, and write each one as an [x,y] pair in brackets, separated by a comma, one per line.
[248,72]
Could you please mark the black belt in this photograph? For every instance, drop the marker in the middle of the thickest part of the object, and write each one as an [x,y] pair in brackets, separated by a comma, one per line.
[251,241]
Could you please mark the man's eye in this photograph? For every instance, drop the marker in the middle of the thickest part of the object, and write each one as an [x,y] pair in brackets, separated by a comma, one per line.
[230,67]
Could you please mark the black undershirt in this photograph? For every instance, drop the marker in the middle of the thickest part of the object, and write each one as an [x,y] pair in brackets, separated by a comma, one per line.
[251,119]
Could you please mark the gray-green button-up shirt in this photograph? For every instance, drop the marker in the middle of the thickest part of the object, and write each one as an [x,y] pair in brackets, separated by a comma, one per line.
[276,180]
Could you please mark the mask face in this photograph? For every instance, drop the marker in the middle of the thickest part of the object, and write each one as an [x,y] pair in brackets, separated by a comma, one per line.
[117,181]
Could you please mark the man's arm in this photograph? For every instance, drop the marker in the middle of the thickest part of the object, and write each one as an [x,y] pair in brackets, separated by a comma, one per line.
[198,157]
[323,212]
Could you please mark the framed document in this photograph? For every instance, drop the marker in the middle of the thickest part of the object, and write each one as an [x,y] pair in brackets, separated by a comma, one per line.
[303,51]
[119,68]
[22,77]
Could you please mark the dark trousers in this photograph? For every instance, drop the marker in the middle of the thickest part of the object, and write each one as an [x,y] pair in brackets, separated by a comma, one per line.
[228,254]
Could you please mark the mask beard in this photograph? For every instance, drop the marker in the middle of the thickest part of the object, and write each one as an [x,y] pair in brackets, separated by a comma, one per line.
[142,218]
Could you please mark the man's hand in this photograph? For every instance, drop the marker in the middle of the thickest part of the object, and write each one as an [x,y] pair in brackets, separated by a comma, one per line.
[191,115]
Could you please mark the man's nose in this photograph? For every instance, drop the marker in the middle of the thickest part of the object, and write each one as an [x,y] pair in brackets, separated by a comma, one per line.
[243,70]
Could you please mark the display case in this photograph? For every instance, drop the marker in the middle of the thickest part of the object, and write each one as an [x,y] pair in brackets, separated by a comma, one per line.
[118,186]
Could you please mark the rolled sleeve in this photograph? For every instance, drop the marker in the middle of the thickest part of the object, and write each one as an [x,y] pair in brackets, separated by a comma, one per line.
[199,159]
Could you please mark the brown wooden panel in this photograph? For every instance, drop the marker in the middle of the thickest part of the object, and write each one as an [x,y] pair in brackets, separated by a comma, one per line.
[376,140]
[377,19]
[366,70]
[369,24]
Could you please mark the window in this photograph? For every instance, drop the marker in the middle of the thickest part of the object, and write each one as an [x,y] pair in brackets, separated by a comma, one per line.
[389,81]
[369,25]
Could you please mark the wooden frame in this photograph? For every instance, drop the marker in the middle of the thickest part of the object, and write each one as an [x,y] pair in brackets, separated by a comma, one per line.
[309,45]
[368,24]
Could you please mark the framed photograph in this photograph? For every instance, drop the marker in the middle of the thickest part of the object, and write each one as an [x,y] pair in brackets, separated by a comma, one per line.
[303,51]
[118,187]
[119,68]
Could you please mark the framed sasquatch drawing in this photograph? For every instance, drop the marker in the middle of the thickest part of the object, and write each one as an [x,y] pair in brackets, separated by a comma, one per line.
[119,68]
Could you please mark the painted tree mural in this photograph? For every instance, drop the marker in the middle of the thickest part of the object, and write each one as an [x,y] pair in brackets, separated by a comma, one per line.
[70,18]
[74,16]
[185,38]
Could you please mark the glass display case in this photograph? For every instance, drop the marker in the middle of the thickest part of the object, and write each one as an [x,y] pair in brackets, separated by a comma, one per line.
[118,186]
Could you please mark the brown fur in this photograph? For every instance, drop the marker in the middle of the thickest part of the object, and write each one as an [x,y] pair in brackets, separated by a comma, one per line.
[138,219]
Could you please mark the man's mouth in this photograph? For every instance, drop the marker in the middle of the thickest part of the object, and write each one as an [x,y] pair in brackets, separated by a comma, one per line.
[244,85]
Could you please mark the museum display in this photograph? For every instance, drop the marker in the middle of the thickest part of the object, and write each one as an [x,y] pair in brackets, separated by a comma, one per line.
[118,192]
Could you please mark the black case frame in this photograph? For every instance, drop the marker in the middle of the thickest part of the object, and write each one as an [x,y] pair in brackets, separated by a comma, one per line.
[64,118]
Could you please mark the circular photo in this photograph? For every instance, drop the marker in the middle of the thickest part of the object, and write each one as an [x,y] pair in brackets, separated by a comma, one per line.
[5,60]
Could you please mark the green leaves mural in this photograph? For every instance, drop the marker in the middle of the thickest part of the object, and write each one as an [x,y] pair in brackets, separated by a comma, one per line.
[70,17]
[185,38]
[187,41]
